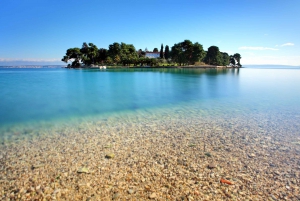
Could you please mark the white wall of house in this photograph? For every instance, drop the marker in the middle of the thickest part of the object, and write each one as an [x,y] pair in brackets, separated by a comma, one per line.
[152,54]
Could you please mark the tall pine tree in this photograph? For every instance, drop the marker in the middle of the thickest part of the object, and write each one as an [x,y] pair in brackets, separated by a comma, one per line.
[161,51]
[167,52]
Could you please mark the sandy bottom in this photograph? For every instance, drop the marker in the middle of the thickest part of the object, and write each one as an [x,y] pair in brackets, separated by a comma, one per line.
[166,156]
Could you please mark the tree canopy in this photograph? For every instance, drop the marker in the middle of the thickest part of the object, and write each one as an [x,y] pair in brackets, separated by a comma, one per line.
[167,52]
[186,52]
[74,55]
[237,57]
[89,53]
[161,53]
[128,54]
[183,53]
[213,56]
[114,52]
[225,59]
[102,55]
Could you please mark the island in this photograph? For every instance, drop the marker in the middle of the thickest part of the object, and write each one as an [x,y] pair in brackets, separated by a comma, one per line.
[182,54]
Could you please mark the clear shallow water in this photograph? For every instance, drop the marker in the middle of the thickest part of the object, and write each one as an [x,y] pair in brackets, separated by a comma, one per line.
[38,96]
[54,121]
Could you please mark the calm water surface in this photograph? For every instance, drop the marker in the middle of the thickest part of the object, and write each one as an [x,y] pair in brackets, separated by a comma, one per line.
[29,96]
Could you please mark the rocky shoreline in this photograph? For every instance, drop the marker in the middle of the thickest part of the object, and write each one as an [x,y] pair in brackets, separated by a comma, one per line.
[173,157]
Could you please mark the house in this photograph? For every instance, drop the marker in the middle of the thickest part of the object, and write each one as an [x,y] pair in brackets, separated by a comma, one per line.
[152,54]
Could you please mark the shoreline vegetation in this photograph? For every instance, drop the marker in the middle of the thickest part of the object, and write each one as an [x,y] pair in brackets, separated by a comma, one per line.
[182,55]
[121,67]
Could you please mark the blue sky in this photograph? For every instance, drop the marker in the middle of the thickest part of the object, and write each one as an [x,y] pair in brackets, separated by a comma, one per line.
[40,31]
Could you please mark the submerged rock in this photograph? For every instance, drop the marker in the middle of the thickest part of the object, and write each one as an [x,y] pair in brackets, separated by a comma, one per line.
[110,155]
[152,196]
[108,146]
[83,170]
[212,166]
[251,155]
[37,166]
[116,196]
[208,154]
[130,191]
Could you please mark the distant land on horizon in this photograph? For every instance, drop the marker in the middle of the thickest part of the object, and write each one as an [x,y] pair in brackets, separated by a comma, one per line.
[32,66]
[60,66]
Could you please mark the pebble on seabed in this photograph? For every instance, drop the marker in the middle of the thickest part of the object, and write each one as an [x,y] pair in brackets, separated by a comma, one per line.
[212,166]
[110,155]
[160,158]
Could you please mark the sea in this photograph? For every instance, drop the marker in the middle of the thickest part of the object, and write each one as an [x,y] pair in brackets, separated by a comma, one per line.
[33,98]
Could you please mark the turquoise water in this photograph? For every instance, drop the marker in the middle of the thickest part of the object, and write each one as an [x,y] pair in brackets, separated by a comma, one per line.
[29,96]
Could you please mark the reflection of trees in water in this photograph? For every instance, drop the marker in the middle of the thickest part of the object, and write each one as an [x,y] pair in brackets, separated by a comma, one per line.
[235,71]
[182,84]
[195,71]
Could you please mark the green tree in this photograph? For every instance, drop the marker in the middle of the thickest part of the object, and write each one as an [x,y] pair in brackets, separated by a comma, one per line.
[177,54]
[109,60]
[153,62]
[161,53]
[232,61]
[128,54]
[141,53]
[123,53]
[182,52]
[167,52]
[186,52]
[238,57]
[113,51]
[198,53]
[155,50]
[187,48]
[117,59]
[89,53]
[225,59]
[102,55]
[213,56]
[141,60]
[235,60]
[74,55]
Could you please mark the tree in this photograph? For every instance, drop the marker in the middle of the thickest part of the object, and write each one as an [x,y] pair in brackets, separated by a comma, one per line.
[198,53]
[93,52]
[186,52]
[153,62]
[213,56]
[117,59]
[109,60]
[89,53]
[102,55]
[141,53]
[123,53]
[187,48]
[161,54]
[232,61]
[235,60]
[128,54]
[182,52]
[225,59]
[74,55]
[113,51]
[155,50]
[167,52]
[238,57]
[177,54]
